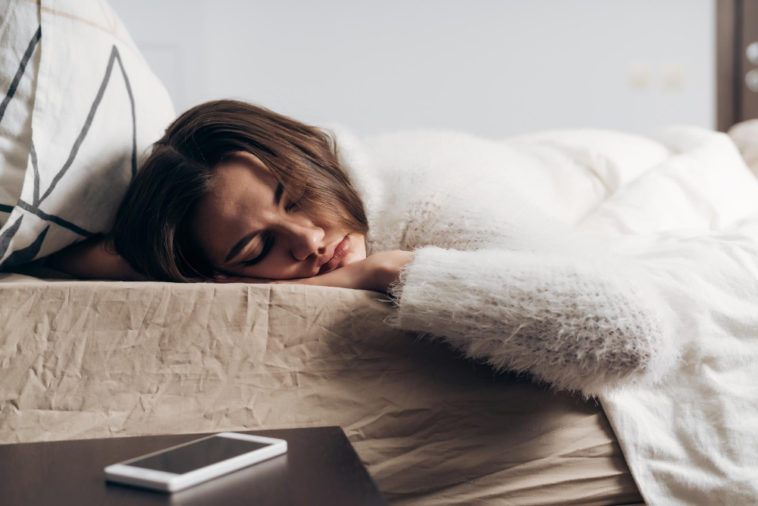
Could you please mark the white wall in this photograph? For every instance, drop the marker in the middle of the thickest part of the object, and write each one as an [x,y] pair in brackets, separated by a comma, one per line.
[493,67]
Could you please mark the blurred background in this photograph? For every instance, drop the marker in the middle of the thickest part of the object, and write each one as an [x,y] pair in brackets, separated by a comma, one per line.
[490,67]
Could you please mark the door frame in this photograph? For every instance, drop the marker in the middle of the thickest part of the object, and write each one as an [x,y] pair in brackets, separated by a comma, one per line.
[736,23]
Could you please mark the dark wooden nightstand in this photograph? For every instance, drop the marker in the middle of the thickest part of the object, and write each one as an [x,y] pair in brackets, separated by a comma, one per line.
[320,468]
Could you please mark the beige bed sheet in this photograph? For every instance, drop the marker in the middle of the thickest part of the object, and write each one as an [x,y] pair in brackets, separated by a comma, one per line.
[99,359]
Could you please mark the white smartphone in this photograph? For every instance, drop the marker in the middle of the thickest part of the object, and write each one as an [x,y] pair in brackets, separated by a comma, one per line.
[188,464]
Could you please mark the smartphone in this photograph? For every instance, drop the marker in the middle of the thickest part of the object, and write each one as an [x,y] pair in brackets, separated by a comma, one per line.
[188,464]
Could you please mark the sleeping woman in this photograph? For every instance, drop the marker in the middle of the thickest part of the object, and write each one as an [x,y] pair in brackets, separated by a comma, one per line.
[237,193]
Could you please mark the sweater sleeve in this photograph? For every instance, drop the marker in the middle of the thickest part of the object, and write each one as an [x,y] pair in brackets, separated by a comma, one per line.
[579,324]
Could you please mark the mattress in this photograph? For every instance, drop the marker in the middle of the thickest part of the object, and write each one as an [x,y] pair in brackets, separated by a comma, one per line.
[97,359]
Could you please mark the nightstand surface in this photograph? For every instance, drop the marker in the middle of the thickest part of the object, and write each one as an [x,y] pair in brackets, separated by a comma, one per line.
[319,468]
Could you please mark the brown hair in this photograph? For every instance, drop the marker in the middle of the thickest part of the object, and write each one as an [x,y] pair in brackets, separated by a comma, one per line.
[152,226]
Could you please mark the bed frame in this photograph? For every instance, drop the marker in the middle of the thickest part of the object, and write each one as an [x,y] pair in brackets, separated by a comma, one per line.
[736,29]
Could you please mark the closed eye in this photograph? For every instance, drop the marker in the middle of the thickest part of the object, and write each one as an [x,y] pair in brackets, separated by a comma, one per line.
[278,193]
[268,243]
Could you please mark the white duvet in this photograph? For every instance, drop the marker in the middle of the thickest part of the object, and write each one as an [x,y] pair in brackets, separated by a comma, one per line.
[686,206]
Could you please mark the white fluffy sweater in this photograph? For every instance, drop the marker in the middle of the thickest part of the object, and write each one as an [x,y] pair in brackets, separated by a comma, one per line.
[493,275]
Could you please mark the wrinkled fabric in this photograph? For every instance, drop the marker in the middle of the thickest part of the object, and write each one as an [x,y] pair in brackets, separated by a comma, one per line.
[100,359]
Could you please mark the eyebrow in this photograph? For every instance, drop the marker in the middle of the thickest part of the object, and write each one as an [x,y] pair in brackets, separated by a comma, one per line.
[240,245]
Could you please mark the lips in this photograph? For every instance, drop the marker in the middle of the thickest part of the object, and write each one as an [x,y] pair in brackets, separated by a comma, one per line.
[339,253]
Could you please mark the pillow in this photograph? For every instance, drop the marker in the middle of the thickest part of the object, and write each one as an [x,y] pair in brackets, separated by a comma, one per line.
[80,106]
[745,136]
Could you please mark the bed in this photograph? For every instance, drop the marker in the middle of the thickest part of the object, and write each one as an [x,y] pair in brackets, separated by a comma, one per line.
[101,359]
[98,359]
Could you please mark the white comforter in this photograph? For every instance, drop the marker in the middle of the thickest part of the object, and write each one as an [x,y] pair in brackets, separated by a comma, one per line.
[684,205]
[691,218]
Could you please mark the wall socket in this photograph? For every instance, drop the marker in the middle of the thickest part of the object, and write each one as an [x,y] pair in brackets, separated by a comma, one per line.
[639,75]
[667,76]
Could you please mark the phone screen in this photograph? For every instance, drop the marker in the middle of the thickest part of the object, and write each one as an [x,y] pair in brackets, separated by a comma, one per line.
[196,455]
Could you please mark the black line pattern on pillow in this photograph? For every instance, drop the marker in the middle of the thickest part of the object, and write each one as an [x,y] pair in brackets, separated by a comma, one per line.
[35,168]
[20,72]
[115,56]
[14,85]
[54,219]
[7,235]
[28,253]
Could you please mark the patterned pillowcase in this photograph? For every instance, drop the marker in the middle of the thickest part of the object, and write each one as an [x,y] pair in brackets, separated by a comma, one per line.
[80,107]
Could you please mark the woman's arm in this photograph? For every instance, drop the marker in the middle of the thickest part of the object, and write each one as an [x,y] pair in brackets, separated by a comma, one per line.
[94,258]
[576,323]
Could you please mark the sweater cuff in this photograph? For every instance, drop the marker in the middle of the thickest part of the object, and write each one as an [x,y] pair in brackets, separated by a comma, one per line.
[580,323]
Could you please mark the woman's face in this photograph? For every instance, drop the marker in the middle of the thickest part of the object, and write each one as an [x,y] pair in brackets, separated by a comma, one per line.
[247,226]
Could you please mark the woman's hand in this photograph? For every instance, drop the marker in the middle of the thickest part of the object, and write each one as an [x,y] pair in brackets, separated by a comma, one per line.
[376,272]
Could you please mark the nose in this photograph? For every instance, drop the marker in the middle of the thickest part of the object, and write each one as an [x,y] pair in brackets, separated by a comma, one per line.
[306,239]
